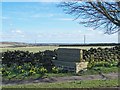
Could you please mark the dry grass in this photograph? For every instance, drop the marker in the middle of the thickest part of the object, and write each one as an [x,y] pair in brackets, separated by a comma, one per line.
[43,48]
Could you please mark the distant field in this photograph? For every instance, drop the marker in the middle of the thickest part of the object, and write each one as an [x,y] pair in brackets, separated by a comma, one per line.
[5,45]
[85,47]
[31,49]
[43,48]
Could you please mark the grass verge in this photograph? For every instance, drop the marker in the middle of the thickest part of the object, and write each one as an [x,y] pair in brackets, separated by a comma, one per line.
[73,84]
[104,70]
[96,70]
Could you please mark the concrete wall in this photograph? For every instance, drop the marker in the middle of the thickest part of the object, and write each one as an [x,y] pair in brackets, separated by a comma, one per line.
[69,55]
[80,66]
[70,59]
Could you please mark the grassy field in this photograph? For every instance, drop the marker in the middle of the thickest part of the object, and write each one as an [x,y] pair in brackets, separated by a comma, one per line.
[73,84]
[43,48]
[31,49]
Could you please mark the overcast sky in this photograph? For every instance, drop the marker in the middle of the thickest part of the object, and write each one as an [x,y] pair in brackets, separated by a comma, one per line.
[44,22]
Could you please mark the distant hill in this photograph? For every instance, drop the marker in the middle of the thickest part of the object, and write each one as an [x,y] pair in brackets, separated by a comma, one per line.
[21,44]
[92,44]
[12,44]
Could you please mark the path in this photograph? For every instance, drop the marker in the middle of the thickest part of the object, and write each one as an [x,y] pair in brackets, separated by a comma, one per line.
[64,79]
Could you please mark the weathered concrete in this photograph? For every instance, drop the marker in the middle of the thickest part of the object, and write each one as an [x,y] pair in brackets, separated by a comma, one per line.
[70,59]
[69,55]
[80,66]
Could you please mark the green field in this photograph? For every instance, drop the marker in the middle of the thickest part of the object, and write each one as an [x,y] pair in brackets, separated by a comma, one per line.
[31,49]
[43,48]
[73,84]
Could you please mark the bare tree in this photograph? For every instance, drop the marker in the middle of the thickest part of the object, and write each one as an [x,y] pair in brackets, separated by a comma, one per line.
[95,14]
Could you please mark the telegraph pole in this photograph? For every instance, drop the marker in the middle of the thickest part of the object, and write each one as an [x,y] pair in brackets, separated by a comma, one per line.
[84,39]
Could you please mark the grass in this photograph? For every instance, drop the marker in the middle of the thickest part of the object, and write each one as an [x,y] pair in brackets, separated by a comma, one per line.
[104,70]
[31,49]
[59,74]
[43,48]
[70,84]
[35,76]
[20,77]
[73,84]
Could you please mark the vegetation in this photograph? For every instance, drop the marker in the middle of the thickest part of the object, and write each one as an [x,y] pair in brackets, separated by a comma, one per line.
[33,49]
[73,84]
[20,73]
[22,64]
[97,14]
[98,70]
[107,57]
[42,72]
[25,65]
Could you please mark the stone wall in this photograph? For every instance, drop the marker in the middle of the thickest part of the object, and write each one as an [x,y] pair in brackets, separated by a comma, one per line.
[78,58]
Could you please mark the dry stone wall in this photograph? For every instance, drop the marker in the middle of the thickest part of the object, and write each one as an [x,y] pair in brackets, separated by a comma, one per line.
[102,54]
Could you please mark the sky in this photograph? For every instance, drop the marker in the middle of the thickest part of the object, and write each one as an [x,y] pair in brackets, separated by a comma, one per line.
[44,22]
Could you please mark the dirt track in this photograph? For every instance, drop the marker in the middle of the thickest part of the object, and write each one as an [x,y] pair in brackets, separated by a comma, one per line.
[63,79]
